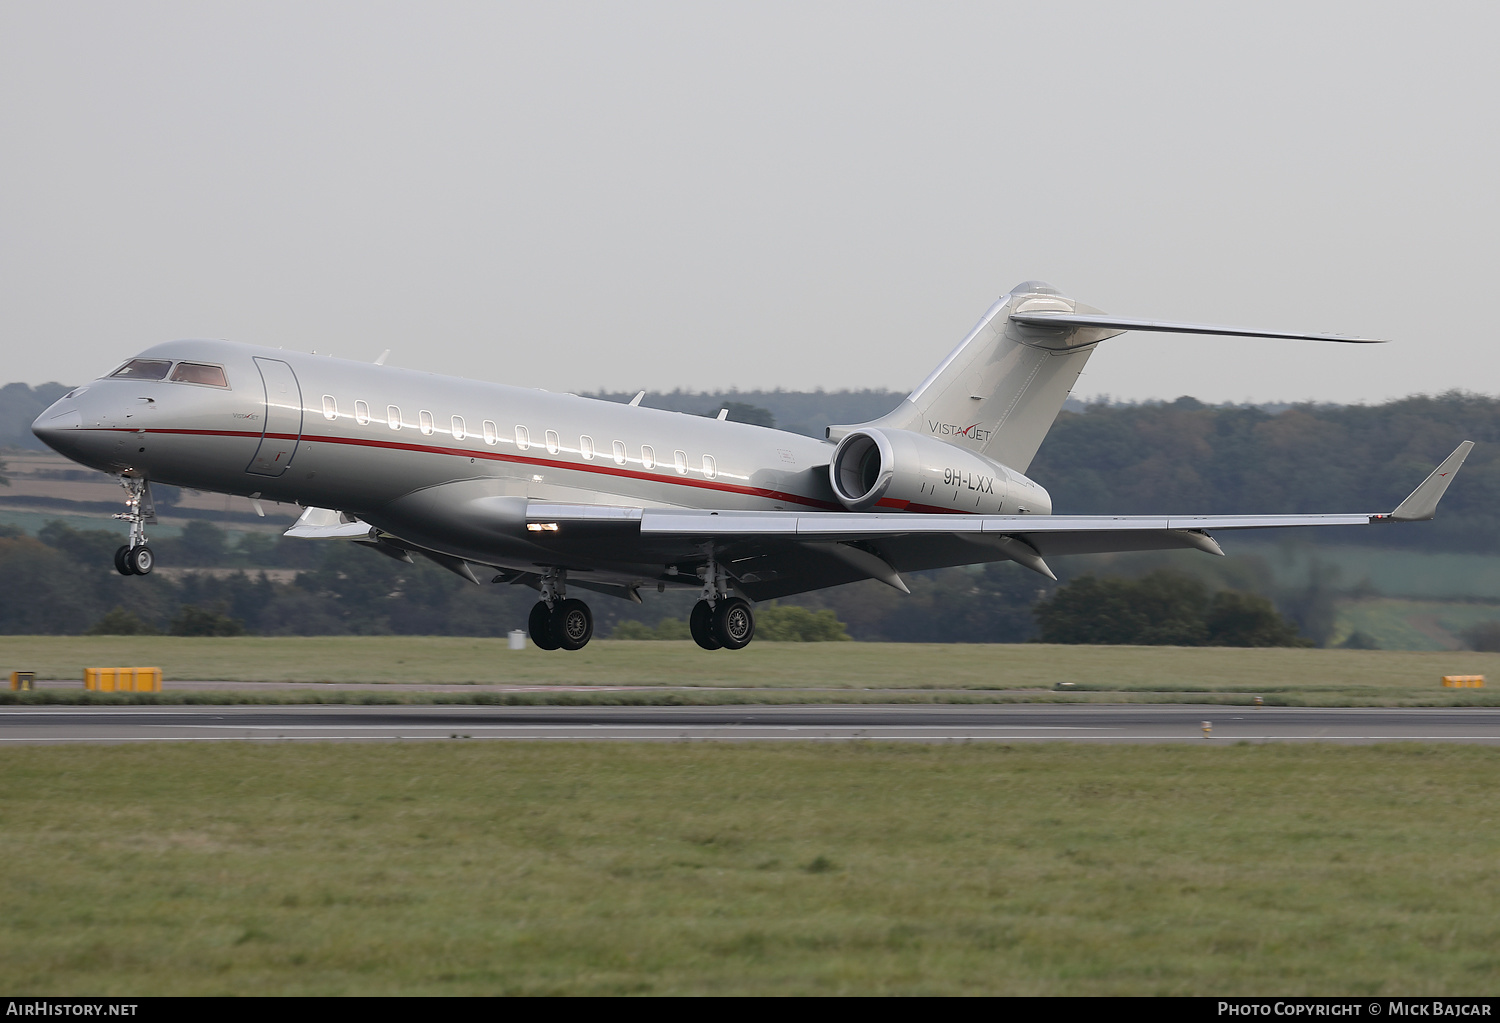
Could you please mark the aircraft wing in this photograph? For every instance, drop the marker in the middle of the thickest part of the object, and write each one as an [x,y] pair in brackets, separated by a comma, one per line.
[773,553]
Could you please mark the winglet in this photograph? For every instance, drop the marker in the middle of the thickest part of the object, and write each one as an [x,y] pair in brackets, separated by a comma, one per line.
[1423,502]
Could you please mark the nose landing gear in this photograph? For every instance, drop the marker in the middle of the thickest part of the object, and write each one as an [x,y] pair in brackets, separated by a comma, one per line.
[135,558]
[556,621]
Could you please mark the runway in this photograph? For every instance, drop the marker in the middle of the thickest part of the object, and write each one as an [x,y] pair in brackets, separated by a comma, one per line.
[1015,723]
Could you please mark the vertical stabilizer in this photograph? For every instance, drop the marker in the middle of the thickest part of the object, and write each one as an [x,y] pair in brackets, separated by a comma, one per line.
[1000,390]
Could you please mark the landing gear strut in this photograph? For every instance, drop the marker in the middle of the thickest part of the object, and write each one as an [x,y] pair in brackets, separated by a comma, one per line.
[135,558]
[720,620]
[557,621]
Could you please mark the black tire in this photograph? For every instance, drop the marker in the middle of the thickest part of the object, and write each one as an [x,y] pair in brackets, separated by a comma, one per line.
[121,565]
[734,623]
[701,625]
[141,560]
[539,625]
[572,624]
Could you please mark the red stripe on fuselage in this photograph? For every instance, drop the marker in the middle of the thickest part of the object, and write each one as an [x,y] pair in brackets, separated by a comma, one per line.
[496,456]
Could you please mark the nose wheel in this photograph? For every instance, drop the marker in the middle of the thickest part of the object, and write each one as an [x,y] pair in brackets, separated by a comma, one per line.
[135,558]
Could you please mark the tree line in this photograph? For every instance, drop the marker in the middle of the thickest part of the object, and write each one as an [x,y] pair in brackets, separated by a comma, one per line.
[1185,457]
[62,581]
[1180,457]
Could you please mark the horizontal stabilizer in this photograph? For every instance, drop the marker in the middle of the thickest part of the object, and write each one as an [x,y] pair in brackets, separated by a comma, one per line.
[1058,320]
[1422,504]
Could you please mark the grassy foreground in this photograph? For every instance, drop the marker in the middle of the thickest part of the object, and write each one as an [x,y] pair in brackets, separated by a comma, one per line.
[468,867]
[1025,671]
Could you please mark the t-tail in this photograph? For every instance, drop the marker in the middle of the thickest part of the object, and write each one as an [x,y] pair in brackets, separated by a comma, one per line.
[1000,390]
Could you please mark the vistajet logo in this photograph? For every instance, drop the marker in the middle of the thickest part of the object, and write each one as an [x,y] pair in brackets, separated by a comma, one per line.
[971,432]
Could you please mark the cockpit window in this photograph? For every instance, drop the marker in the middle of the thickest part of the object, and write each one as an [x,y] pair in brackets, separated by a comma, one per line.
[198,373]
[144,369]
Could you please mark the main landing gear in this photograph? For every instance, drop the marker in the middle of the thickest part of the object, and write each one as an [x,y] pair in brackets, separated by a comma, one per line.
[135,558]
[720,620]
[556,621]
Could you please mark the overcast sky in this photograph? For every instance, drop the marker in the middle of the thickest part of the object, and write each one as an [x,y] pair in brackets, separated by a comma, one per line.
[709,195]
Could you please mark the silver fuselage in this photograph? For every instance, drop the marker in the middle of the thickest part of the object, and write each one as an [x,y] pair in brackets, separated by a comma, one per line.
[445,463]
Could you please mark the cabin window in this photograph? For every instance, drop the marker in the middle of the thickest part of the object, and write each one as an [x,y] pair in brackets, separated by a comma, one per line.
[424,420]
[619,448]
[679,459]
[361,413]
[198,373]
[459,433]
[554,442]
[523,438]
[648,457]
[586,446]
[710,468]
[144,369]
[330,407]
[491,435]
[393,417]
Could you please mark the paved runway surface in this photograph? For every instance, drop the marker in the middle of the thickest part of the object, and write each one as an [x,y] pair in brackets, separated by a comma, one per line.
[1024,723]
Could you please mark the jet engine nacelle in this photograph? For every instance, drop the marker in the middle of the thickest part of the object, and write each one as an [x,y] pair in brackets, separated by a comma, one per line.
[874,469]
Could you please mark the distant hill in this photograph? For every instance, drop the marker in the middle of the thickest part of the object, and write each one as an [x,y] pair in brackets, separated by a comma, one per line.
[19,405]
[1190,458]
[1181,456]
[804,412]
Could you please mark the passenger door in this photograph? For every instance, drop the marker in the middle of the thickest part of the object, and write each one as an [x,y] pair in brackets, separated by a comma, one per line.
[283,430]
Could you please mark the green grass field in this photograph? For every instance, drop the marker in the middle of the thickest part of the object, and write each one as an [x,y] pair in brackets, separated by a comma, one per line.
[1415,574]
[478,868]
[841,671]
[1412,624]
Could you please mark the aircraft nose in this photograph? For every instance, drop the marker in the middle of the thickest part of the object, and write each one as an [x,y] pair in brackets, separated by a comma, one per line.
[55,422]
[60,426]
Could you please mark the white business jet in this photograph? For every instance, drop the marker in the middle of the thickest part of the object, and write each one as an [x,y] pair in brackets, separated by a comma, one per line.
[554,491]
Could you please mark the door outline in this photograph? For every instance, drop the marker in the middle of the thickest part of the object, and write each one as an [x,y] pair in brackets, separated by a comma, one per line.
[282,432]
